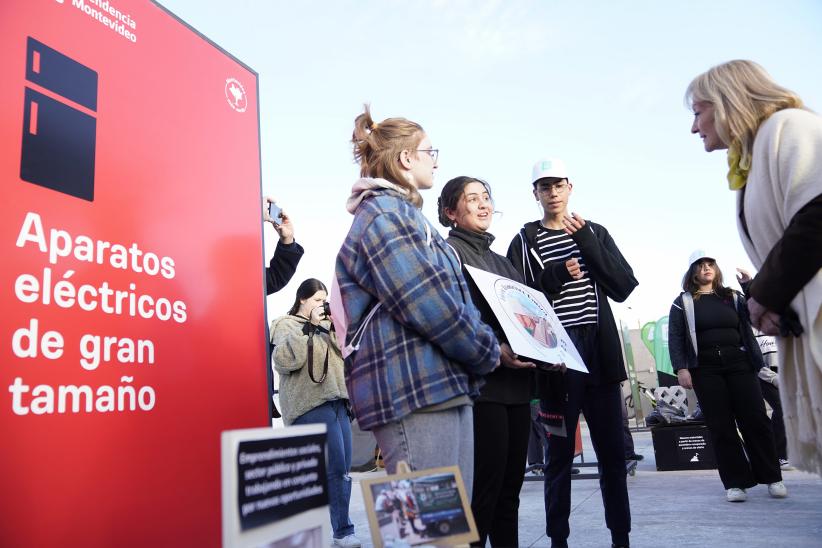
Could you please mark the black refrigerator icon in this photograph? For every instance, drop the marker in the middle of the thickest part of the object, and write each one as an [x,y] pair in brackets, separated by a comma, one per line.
[58,138]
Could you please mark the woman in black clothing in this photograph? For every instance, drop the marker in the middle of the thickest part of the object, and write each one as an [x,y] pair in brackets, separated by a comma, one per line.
[713,351]
[502,412]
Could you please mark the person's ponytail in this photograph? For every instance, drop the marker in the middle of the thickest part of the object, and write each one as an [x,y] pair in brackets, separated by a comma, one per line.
[378,145]
[360,136]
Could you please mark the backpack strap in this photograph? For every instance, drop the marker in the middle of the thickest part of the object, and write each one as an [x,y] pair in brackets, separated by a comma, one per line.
[354,344]
[456,254]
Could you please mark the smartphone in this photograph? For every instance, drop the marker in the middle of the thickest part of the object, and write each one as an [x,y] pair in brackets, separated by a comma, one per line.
[275,212]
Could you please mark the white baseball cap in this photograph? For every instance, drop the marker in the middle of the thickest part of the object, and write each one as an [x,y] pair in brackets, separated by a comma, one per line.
[700,254]
[549,167]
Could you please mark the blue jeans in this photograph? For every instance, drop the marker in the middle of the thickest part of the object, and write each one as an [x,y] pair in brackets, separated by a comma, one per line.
[431,440]
[338,463]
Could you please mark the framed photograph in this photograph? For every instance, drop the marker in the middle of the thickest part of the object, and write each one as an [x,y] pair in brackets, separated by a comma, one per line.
[422,507]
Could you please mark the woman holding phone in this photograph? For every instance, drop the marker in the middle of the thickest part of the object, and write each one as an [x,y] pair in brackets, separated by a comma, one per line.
[288,252]
[312,390]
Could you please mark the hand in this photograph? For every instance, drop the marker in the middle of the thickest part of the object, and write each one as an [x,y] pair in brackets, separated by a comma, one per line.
[743,276]
[767,321]
[573,223]
[509,359]
[768,375]
[285,229]
[573,268]
[317,314]
[684,378]
[561,367]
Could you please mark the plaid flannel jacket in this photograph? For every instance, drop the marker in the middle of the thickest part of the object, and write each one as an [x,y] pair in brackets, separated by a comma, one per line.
[426,344]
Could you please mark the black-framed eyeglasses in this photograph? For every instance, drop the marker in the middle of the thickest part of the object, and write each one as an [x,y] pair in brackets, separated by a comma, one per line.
[433,152]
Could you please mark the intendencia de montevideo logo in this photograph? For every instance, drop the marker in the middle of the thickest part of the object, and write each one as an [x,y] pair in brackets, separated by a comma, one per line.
[235,94]
[105,12]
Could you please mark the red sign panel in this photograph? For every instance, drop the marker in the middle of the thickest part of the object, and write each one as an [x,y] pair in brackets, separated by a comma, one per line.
[132,293]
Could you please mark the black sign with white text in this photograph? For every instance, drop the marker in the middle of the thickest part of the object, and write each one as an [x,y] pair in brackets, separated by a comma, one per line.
[280,477]
[683,447]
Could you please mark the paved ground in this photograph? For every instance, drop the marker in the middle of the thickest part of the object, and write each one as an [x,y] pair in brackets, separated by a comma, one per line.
[669,509]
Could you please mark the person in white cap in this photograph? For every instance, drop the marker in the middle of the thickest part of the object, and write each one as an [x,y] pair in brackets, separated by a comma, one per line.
[714,351]
[578,267]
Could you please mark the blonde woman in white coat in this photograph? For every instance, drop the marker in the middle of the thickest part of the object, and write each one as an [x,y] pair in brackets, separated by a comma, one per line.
[775,157]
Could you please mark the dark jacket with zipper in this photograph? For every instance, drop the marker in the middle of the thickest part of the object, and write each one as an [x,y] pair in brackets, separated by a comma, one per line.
[282,267]
[610,273]
[503,385]
[682,341]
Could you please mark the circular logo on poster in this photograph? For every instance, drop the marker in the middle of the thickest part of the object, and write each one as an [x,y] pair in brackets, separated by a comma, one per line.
[235,95]
[527,314]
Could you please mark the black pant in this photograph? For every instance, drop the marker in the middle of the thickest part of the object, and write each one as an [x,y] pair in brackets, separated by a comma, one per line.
[626,431]
[729,394]
[600,403]
[771,395]
[500,446]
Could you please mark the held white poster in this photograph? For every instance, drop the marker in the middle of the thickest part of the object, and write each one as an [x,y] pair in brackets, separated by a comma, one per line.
[529,322]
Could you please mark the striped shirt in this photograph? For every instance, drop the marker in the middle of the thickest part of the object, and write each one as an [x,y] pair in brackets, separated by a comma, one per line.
[577,301]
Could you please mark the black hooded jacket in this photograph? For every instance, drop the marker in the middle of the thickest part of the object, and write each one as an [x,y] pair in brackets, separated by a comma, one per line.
[282,267]
[611,274]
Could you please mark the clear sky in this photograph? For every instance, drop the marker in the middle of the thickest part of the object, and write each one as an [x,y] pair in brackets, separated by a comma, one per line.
[498,85]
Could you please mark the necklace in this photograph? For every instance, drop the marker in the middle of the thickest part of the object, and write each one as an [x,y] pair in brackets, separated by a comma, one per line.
[699,292]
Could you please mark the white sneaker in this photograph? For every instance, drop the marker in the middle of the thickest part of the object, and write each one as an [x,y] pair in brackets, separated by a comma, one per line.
[777,490]
[347,542]
[736,494]
[785,465]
